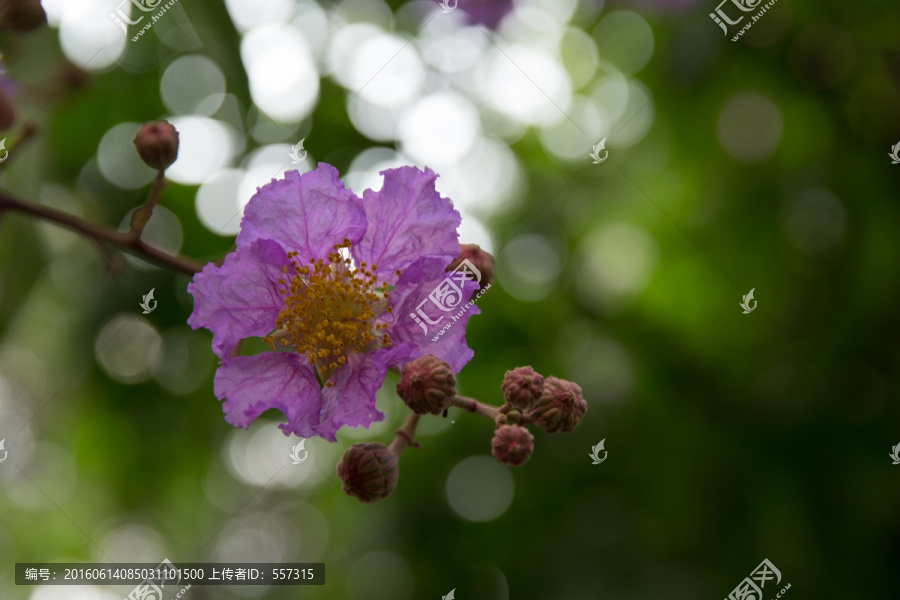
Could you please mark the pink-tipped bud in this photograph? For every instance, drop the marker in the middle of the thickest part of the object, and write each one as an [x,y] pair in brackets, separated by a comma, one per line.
[427,385]
[512,445]
[482,261]
[522,387]
[561,406]
[157,143]
[21,15]
[368,471]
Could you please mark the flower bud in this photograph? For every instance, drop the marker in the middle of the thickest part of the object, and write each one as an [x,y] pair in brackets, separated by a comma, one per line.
[427,385]
[368,471]
[512,445]
[522,387]
[21,15]
[157,143]
[482,261]
[560,407]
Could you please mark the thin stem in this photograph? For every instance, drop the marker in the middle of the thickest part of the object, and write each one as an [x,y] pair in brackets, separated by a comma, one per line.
[142,215]
[474,406]
[405,435]
[102,233]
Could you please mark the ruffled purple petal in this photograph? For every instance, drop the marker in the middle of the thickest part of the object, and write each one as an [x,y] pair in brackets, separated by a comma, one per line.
[250,385]
[418,281]
[239,299]
[408,219]
[308,213]
[351,401]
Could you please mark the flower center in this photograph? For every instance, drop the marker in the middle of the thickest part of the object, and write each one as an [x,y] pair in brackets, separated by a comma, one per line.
[328,310]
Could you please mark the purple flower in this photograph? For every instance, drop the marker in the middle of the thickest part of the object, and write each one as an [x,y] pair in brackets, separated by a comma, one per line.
[328,280]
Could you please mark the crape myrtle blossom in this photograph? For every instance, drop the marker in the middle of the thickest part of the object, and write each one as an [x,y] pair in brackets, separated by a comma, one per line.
[325,278]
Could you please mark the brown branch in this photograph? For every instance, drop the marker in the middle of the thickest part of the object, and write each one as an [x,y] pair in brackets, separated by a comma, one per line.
[405,435]
[102,233]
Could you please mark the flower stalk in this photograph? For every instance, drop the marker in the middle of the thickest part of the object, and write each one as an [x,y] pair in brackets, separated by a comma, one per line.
[142,215]
[404,435]
[474,406]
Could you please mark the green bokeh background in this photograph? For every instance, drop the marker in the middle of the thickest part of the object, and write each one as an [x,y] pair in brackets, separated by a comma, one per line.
[732,438]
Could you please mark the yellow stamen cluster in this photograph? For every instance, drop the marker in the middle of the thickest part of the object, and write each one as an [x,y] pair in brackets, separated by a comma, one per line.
[328,310]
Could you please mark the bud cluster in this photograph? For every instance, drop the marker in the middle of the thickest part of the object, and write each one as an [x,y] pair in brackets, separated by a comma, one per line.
[427,385]
[555,405]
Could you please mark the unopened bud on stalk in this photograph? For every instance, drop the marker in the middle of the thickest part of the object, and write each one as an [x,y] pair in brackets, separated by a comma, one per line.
[368,471]
[483,261]
[512,445]
[21,15]
[561,406]
[157,143]
[427,385]
[522,387]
